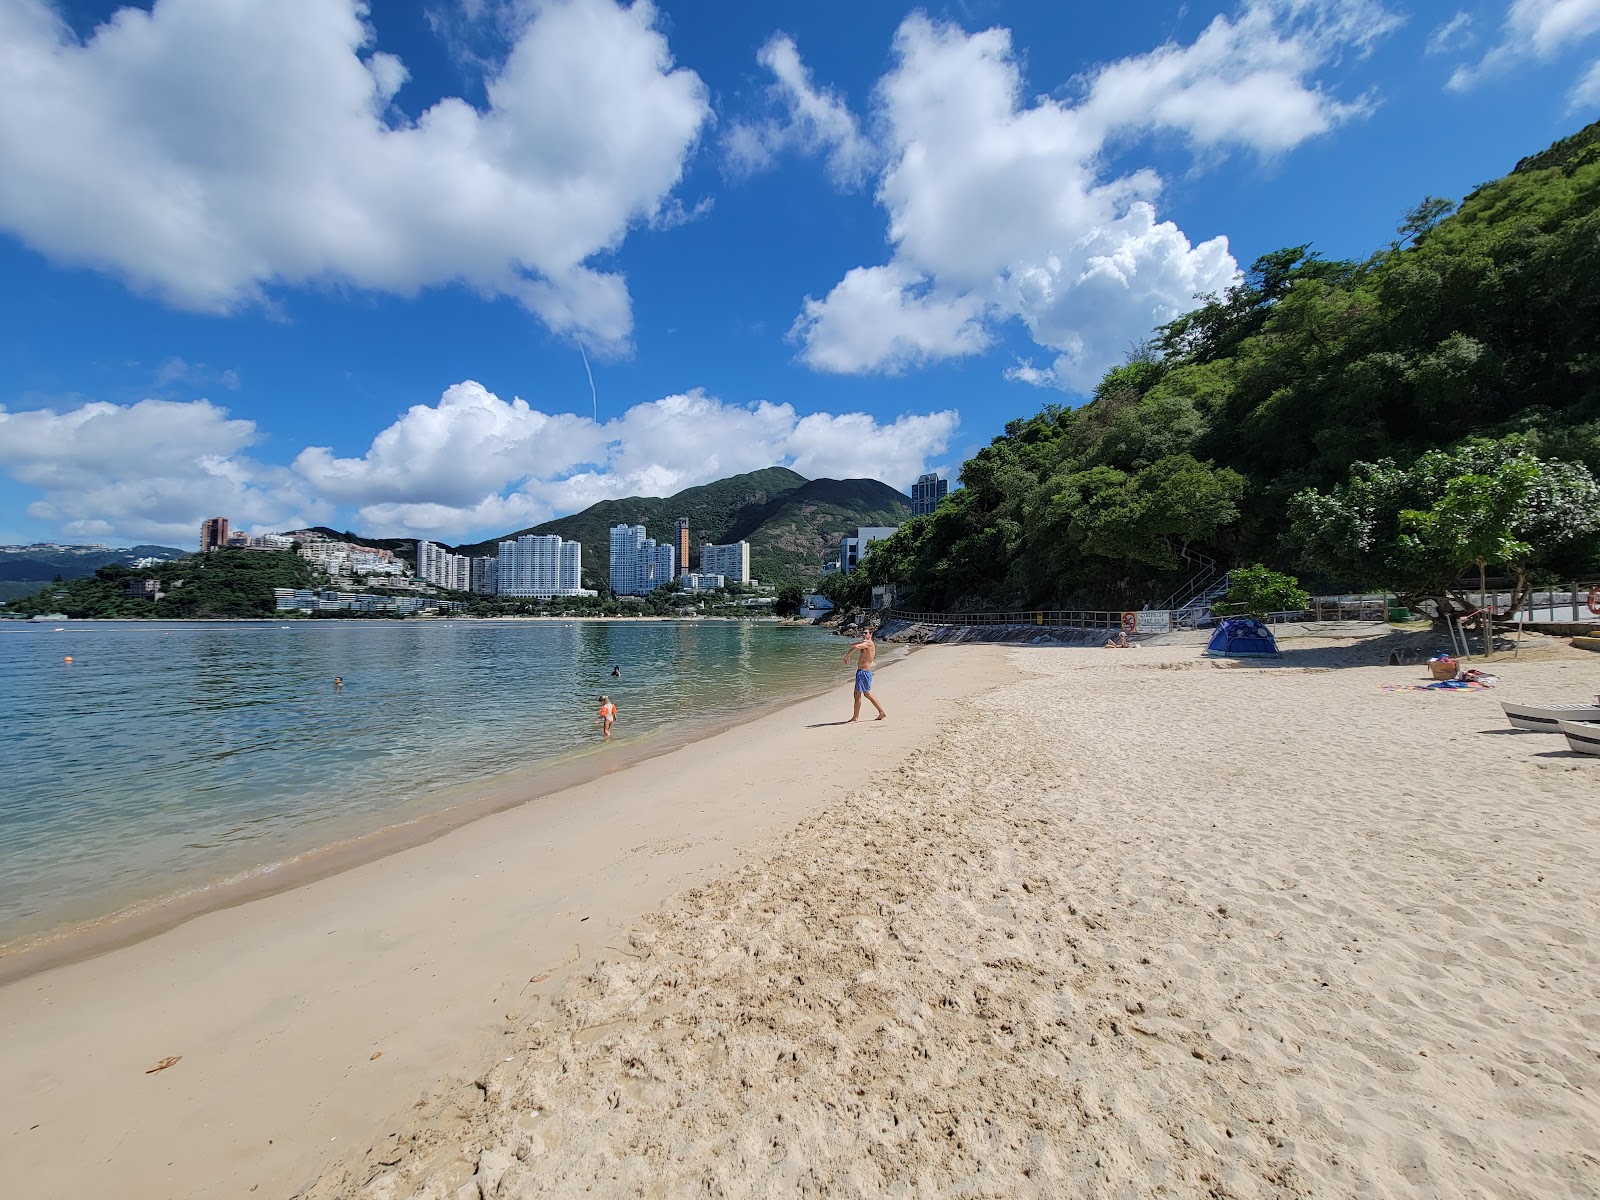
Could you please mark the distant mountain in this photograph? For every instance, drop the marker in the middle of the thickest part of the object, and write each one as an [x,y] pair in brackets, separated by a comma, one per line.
[24,568]
[792,524]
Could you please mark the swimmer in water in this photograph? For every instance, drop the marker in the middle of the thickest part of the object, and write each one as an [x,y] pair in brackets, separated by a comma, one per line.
[338,683]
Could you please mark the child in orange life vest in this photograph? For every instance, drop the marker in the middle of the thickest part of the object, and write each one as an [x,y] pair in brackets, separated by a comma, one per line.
[608,714]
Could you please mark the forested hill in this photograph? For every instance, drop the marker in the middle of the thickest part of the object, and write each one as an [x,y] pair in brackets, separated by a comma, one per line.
[790,522]
[1478,321]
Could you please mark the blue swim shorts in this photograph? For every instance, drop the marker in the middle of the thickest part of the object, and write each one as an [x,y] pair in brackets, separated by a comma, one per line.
[863,681]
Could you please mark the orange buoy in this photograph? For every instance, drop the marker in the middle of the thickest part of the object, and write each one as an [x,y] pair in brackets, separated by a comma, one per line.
[69,658]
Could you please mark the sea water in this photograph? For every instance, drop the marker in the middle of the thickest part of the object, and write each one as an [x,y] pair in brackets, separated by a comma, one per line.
[166,757]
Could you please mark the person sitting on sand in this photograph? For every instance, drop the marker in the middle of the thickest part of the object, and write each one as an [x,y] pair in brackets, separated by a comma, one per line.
[608,714]
[868,651]
[1120,642]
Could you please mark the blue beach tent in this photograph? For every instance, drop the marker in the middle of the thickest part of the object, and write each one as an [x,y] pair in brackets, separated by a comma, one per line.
[1242,637]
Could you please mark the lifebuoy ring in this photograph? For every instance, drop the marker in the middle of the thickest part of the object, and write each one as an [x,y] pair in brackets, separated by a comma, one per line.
[1129,622]
[1594,600]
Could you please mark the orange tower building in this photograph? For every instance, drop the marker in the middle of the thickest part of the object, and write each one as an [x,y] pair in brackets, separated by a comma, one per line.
[683,545]
[213,534]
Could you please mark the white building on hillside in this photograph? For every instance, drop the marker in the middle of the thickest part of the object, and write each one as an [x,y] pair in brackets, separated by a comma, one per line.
[345,558]
[732,561]
[853,549]
[540,565]
[699,581]
[638,565]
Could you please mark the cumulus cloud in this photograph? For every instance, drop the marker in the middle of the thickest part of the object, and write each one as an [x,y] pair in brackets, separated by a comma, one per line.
[1532,29]
[207,152]
[887,319]
[470,466]
[1001,206]
[149,471]
[475,463]
[813,121]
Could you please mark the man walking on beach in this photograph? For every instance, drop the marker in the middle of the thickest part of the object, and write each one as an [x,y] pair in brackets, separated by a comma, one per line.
[868,651]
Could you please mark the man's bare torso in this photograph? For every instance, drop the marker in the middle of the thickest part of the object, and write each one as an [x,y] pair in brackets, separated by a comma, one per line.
[867,649]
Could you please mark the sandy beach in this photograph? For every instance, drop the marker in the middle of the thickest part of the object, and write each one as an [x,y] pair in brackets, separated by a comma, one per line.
[1072,922]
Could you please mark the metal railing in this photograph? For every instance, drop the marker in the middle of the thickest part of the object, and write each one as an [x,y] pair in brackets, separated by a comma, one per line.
[1204,579]
[1044,617]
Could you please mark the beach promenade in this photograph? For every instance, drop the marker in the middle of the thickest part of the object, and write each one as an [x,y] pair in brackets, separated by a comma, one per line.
[1073,922]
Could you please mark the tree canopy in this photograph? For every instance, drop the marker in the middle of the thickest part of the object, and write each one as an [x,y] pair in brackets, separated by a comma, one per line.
[1475,326]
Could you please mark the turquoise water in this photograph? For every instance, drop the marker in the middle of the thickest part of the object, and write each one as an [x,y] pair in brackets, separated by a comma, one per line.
[167,757]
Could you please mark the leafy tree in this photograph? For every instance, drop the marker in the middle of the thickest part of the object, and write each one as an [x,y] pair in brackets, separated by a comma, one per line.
[788,601]
[1257,590]
[1417,529]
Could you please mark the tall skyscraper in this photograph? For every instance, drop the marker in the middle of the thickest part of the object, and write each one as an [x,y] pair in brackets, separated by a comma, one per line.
[638,565]
[540,566]
[926,493]
[681,542]
[731,561]
[213,534]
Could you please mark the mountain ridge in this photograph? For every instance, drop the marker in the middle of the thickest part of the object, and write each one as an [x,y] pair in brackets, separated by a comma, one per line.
[790,521]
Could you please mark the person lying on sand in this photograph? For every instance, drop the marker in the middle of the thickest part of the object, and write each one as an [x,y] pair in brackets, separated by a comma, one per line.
[1120,642]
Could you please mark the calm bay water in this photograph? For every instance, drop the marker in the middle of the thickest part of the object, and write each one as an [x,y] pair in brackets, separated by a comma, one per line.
[168,757]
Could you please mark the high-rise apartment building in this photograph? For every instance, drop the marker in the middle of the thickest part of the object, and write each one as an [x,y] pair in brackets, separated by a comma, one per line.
[213,534]
[438,566]
[486,574]
[731,561]
[638,565]
[681,542]
[926,493]
[540,566]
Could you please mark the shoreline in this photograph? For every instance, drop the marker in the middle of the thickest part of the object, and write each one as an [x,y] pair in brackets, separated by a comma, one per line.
[304,1018]
[76,941]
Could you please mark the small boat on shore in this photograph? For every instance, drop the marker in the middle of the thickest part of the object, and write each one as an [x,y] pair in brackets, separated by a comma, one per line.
[1547,718]
[1582,736]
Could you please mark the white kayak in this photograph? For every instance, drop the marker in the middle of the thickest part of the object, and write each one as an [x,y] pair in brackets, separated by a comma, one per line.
[1547,718]
[1582,736]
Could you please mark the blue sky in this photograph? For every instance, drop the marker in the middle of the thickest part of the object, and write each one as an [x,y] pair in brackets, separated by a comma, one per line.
[317,261]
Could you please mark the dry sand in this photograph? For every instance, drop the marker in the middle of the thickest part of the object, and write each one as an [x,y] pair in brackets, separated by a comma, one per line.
[1134,926]
[1128,925]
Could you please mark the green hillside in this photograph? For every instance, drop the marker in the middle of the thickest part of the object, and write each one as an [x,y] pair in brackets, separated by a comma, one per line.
[1289,394]
[790,522]
[792,535]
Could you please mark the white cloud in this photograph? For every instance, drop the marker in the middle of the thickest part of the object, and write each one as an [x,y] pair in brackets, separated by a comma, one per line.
[1586,92]
[476,464]
[814,121]
[470,466]
[1001,206]
[887,319]
[149,471]
[1533,29]
[209,151]
[1454,34]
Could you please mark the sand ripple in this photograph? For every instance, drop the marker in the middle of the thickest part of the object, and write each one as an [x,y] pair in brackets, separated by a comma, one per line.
[1124,931]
